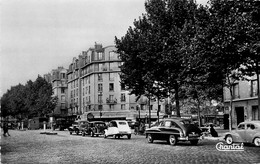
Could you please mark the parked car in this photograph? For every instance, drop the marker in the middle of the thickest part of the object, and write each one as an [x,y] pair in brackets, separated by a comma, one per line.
[94,128]
[246,132]
[118,128]
[173,130]
[77,126]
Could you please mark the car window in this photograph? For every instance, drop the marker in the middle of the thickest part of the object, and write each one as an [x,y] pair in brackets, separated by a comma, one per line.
[250,126]
[241,126]
[113,124]
[173,124]
[167,123]
[122,123]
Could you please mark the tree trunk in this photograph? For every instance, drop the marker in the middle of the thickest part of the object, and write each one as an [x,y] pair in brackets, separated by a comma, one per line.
[177,100]
[258,88]
[230,108]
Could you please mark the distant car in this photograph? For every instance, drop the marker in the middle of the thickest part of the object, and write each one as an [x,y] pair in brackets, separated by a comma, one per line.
[173,130]
[77,126]
[246,132]
[94,128]
[118,128]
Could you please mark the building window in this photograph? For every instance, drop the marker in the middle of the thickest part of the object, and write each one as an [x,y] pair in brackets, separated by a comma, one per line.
[88,89]
[235,91]
[122,106]
[123,97]
[122,86]
[100,87]
[111,97]
[111,107]
[62,98]
[100,55]
[100,107]
[83,92]
[63,106]
[100,77]
[96,67]
[111,76]
[254,112]
[111,86]
[63,75]
[100,99]
[62,90]
[151,107]
[254,88]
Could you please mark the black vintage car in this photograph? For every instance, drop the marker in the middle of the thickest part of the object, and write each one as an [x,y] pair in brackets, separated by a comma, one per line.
[173,130]
[94,128]
[78,126]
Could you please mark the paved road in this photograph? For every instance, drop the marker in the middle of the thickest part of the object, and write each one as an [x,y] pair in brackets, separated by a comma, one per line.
[32,147]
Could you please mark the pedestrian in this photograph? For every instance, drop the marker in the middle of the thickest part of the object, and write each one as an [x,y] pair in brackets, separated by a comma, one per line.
[5,128]
[213,132]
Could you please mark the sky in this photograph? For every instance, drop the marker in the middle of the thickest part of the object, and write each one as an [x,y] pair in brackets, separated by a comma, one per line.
[40,35]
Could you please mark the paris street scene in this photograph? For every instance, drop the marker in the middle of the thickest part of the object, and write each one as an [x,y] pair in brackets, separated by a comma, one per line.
[123,82]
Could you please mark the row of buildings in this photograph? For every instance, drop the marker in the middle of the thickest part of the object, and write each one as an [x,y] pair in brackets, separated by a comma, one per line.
[91,84]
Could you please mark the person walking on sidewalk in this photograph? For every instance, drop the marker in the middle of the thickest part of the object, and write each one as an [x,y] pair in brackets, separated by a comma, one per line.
[5,128]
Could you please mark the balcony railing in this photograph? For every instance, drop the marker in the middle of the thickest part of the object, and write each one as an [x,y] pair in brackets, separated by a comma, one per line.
[111,101]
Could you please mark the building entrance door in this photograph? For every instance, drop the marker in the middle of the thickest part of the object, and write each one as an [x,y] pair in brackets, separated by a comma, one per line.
[240,114]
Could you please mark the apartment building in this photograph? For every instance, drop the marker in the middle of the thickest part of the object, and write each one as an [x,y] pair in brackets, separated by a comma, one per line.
[245,101]
[58,79]
[94,87]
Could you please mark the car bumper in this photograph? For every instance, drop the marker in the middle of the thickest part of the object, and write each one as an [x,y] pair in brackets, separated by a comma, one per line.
[190,138]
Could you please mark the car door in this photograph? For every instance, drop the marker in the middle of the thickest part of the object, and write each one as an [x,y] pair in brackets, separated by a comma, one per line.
[250,132]
[241,133]
[112,129]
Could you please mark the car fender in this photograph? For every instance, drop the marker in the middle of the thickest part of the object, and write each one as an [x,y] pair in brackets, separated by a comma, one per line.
[235,136]
[255,136]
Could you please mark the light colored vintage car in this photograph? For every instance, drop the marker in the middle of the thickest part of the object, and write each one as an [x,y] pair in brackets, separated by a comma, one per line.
[118,128]
[246,132]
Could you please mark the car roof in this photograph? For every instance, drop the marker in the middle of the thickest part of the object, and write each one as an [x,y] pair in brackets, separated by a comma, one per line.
[97,122]
[118,120]
[176,119]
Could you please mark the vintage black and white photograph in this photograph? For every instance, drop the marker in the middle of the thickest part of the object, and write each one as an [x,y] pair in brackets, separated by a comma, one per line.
[130,81]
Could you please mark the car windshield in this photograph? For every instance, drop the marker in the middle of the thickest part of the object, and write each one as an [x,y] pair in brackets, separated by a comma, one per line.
[122,123]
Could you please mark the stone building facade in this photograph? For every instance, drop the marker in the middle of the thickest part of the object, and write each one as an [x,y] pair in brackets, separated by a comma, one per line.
[245,101]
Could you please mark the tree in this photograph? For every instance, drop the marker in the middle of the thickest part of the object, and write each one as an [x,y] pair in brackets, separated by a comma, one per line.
[220,43]
[155,49]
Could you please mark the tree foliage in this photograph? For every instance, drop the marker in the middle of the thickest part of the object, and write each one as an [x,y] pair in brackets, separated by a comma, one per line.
[30,100]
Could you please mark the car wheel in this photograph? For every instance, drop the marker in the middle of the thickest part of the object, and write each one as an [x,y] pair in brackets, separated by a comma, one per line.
[77,132]
[150,138]
[92,134]
[194,142]
[172,140]
[129,136]
[257,141]
[105,136]
[70,132]
[83,133]
[229,139]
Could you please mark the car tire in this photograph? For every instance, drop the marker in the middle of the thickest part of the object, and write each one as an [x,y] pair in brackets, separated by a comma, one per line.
[257,141]
[129,136]
[172,140]
[150,138]
[70,132]
[229,139]
[105,136]
[83,133]
[77,132]
[194,142]
[92,134]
